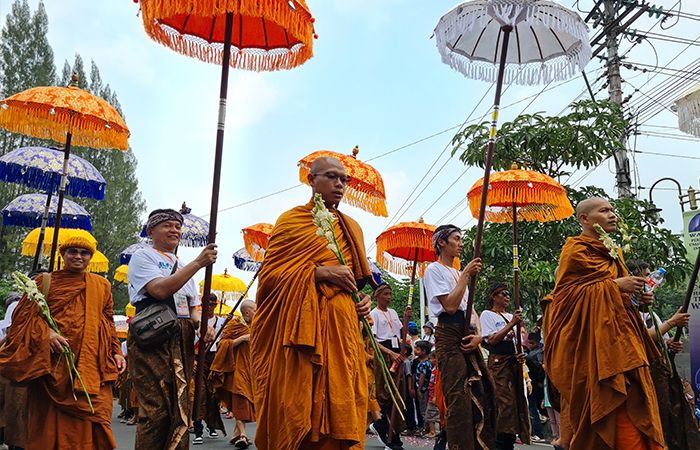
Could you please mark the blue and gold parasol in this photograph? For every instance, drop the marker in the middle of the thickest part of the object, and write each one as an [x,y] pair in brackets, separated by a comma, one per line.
[27,211]
[125,255]
[40,168]
[195,230]
[243,261]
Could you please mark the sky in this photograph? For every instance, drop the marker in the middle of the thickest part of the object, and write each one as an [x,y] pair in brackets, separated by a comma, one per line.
[376,81]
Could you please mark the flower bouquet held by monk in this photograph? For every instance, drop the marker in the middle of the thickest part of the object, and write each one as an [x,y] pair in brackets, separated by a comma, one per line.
[323,219]
[28,286]
[615,251]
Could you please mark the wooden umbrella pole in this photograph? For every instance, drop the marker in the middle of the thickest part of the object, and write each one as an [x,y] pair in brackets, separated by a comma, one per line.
[218,156]
[230,315]
[42,232]
[516,277]
[59,206]
[413,280]
[487,170]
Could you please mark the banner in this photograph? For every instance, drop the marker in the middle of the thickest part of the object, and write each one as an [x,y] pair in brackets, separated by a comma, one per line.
[691,236]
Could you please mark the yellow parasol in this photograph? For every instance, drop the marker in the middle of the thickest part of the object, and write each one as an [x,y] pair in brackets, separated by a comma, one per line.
[365,189]
[225,283]
[64,114]
[98,264]
[121,274]
[130,310]
[31,241]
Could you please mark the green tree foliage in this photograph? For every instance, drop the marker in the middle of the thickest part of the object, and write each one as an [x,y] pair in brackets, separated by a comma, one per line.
[556,146]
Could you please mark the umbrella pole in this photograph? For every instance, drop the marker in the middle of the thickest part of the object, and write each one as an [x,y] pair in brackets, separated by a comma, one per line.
[233,310]
[487,170]
[59,207]
[218,155]
[413,281]
[516,276]
[42,232]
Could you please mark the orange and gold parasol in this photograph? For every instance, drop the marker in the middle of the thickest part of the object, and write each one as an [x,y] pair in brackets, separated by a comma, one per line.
[365,189]
[520,195]
[256,237]
[64,114]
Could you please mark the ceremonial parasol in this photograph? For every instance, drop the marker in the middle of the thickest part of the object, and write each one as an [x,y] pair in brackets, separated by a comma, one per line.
[67,114]
[688,109]
[256,237]
[376,273]
[121,323]
[520,195]
[245,262]
[365,189]
[31,241]
[41,168]
[98,264]
[121,274]
[263,34]
[194,231]
[27,211]
[225,283]
[125,255]
[130,310]
[551,43]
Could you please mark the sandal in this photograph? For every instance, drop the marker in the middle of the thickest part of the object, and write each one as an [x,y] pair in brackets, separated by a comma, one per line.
[240,442]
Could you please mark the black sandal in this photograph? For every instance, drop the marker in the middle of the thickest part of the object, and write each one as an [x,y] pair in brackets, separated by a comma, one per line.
[241,442]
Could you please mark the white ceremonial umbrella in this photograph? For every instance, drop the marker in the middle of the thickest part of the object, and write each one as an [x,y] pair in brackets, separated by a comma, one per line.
[688,109]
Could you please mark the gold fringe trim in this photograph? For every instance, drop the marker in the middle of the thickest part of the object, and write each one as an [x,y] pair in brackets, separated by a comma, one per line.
[121,274]
[298,23]
[535,201]
[87,131]
[404,237]
[358,194]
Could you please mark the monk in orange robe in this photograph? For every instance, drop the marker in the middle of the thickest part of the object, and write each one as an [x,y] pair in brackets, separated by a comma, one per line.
[597,350]
[81,305]
[308,358]
[230,374]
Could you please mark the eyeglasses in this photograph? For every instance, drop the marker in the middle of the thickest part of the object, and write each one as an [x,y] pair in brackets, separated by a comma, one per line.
[505,293]
[332,176]
[79,251]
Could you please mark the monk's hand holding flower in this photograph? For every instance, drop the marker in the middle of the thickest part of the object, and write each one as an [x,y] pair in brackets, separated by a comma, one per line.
[121,363]
[57,342]
[470,343]
[341,276]
[630,284]
[364,306]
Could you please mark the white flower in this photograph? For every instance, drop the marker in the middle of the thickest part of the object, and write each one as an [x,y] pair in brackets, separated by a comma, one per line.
[608,241]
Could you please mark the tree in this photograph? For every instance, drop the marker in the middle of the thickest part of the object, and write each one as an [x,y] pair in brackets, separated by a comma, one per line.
[554,146]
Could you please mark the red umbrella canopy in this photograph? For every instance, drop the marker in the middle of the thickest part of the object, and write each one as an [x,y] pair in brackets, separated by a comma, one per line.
[267,34]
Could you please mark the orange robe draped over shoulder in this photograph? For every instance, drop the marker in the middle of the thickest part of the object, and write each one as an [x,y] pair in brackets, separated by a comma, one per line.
[230,371]
[597,350]
[81,305]
[308,357]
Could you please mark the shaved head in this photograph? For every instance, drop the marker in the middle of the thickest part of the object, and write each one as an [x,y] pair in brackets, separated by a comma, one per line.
[248,308]
[323,163]
[588,205]
[247,305]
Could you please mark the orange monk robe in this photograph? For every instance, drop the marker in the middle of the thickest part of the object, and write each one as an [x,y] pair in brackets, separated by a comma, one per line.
[308,358]
[230,371]
[597,351]
[81,305]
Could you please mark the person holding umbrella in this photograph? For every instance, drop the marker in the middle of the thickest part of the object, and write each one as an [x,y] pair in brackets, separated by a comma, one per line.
[466,383]
[161,371]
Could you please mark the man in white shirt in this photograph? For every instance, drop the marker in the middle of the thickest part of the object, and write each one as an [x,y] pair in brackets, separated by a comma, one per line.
[388,330]
[161,374]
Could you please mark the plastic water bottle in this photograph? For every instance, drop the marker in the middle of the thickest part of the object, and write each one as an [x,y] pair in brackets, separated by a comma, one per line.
[654,280]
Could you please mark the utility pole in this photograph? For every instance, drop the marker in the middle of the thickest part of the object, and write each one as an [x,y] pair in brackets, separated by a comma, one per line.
[623,179]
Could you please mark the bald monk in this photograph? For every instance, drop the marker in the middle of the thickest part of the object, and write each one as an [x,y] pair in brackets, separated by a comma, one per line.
[597,349]
[230,374]
[307,354]
[81,305]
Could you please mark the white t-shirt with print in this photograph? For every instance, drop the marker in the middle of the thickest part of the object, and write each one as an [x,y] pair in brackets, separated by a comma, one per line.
[492,322]
[146,265]
[440,280]
[387,324]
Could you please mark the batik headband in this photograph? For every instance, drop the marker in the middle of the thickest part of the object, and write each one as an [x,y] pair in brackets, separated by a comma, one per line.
[163,216]
[379,289]
[442,233]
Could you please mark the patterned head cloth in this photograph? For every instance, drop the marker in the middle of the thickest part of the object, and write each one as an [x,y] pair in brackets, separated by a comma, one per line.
[159,216]
[79,242]
[380,288]
[441,233]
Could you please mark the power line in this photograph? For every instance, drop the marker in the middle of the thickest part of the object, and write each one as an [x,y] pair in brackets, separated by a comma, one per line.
[668,155]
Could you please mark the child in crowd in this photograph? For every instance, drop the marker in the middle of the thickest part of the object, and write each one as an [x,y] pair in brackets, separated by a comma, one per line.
[432,414]
[422,376]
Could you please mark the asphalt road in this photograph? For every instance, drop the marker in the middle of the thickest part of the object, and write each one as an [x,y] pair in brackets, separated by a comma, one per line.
[125,438]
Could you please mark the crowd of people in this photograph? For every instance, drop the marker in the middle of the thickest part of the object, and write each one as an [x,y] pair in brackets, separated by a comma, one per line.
[298,363]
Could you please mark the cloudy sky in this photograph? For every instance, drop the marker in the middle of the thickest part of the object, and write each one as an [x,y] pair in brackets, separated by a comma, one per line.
[376,81]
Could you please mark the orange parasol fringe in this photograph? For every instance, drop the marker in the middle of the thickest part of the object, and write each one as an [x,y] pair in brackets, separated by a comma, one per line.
[38,121]
[406,238]
[298,23]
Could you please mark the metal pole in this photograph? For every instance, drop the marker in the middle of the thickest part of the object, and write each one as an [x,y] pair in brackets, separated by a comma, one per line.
[678,185]
[59,206]
[42,232]
[516,276]
[487,170]
[218,155]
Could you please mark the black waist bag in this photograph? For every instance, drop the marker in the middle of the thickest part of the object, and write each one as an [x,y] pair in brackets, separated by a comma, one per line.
[155,321]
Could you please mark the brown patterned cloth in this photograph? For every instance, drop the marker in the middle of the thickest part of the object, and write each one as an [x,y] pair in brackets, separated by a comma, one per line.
[209,408]
[161,378]
[512,414]
[13,413]
[468,390]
